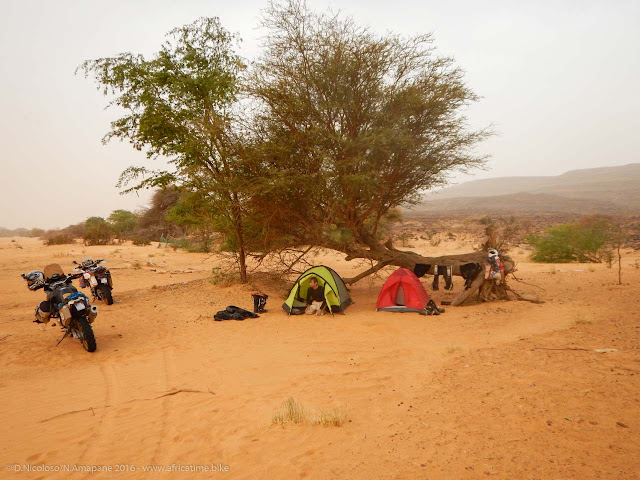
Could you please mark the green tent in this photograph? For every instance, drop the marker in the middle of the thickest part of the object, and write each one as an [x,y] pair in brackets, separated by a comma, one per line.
[335,291]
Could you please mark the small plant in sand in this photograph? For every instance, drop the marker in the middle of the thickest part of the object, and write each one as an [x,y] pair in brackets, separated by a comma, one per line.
[292,411]
[591,268]
[636,265]
[222,277]
[451,349]
[580,320]
[136,264]
[333,417]
[553,270]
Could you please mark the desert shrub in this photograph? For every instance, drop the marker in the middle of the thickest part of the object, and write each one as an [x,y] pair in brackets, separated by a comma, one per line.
[570,242]
[291,410]
[58,238]
[140,241]
[404,239]
[223,277]
[97,231]
[145,237]
[76,231]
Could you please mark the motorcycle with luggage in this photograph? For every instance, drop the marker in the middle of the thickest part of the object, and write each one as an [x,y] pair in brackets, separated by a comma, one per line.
[97,277]
[72,308]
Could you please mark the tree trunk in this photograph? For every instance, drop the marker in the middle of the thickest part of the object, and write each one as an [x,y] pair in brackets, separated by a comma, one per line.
[409,260]
[387,255]
[237,225]
[619,265]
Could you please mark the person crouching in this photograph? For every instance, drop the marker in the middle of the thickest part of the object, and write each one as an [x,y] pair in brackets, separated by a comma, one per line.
[315,298]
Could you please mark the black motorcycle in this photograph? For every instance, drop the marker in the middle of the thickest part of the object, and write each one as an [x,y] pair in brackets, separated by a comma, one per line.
[97,278]
[65,303]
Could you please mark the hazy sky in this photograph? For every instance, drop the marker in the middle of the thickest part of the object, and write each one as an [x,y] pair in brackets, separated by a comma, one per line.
[559,80]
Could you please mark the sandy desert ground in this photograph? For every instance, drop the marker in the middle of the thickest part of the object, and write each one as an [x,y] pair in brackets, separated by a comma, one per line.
[503,390]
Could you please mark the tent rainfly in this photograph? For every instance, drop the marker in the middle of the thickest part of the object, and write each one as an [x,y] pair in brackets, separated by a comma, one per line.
[402,292]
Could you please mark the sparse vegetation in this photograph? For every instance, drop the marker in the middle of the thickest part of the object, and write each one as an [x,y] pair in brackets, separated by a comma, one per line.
[580,320]
[570,242]
[59,238]
[292,411]
[97,231]
[332,417]
[223,277]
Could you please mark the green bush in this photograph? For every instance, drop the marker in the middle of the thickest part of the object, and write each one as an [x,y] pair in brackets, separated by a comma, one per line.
[571,242]
[140,240]
[97,231]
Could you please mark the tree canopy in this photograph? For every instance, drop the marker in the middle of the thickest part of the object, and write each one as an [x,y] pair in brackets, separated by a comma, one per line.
[315,143]
[350,125]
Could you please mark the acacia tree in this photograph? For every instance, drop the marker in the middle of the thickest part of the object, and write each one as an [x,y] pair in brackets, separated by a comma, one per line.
[123,223]
[352,125]
[179,105]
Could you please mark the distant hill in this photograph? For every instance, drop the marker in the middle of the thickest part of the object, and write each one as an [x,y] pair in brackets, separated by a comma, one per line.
[594,190]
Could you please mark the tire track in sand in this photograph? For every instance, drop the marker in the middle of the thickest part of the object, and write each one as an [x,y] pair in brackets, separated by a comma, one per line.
[165,445]
[103,430]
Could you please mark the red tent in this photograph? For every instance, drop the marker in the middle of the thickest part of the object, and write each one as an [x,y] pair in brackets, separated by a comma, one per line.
[402,292]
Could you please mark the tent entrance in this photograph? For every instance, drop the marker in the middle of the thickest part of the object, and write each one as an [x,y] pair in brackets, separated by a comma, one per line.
[400,296]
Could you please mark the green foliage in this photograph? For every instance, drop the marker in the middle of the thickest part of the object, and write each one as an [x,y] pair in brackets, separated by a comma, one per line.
[338,127]
[179,104]
[351,125]
[123,223]
[97,231]
[197,210]
[571,242]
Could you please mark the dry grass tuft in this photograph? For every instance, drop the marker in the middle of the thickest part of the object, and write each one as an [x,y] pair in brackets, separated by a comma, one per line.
[292,411]
[333,417]
[580,320]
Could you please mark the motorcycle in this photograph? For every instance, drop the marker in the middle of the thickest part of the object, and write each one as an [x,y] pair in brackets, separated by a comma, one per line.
[97,278]
[64,302]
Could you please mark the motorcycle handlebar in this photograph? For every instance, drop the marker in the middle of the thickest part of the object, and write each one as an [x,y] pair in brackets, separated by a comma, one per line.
[93,263]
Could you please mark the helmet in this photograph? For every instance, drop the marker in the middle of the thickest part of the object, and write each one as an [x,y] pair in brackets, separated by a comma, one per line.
[493,252]
[35,279]
[86,261]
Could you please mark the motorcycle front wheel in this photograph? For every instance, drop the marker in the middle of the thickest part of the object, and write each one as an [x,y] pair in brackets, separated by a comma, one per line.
[85,334]
[106,294]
